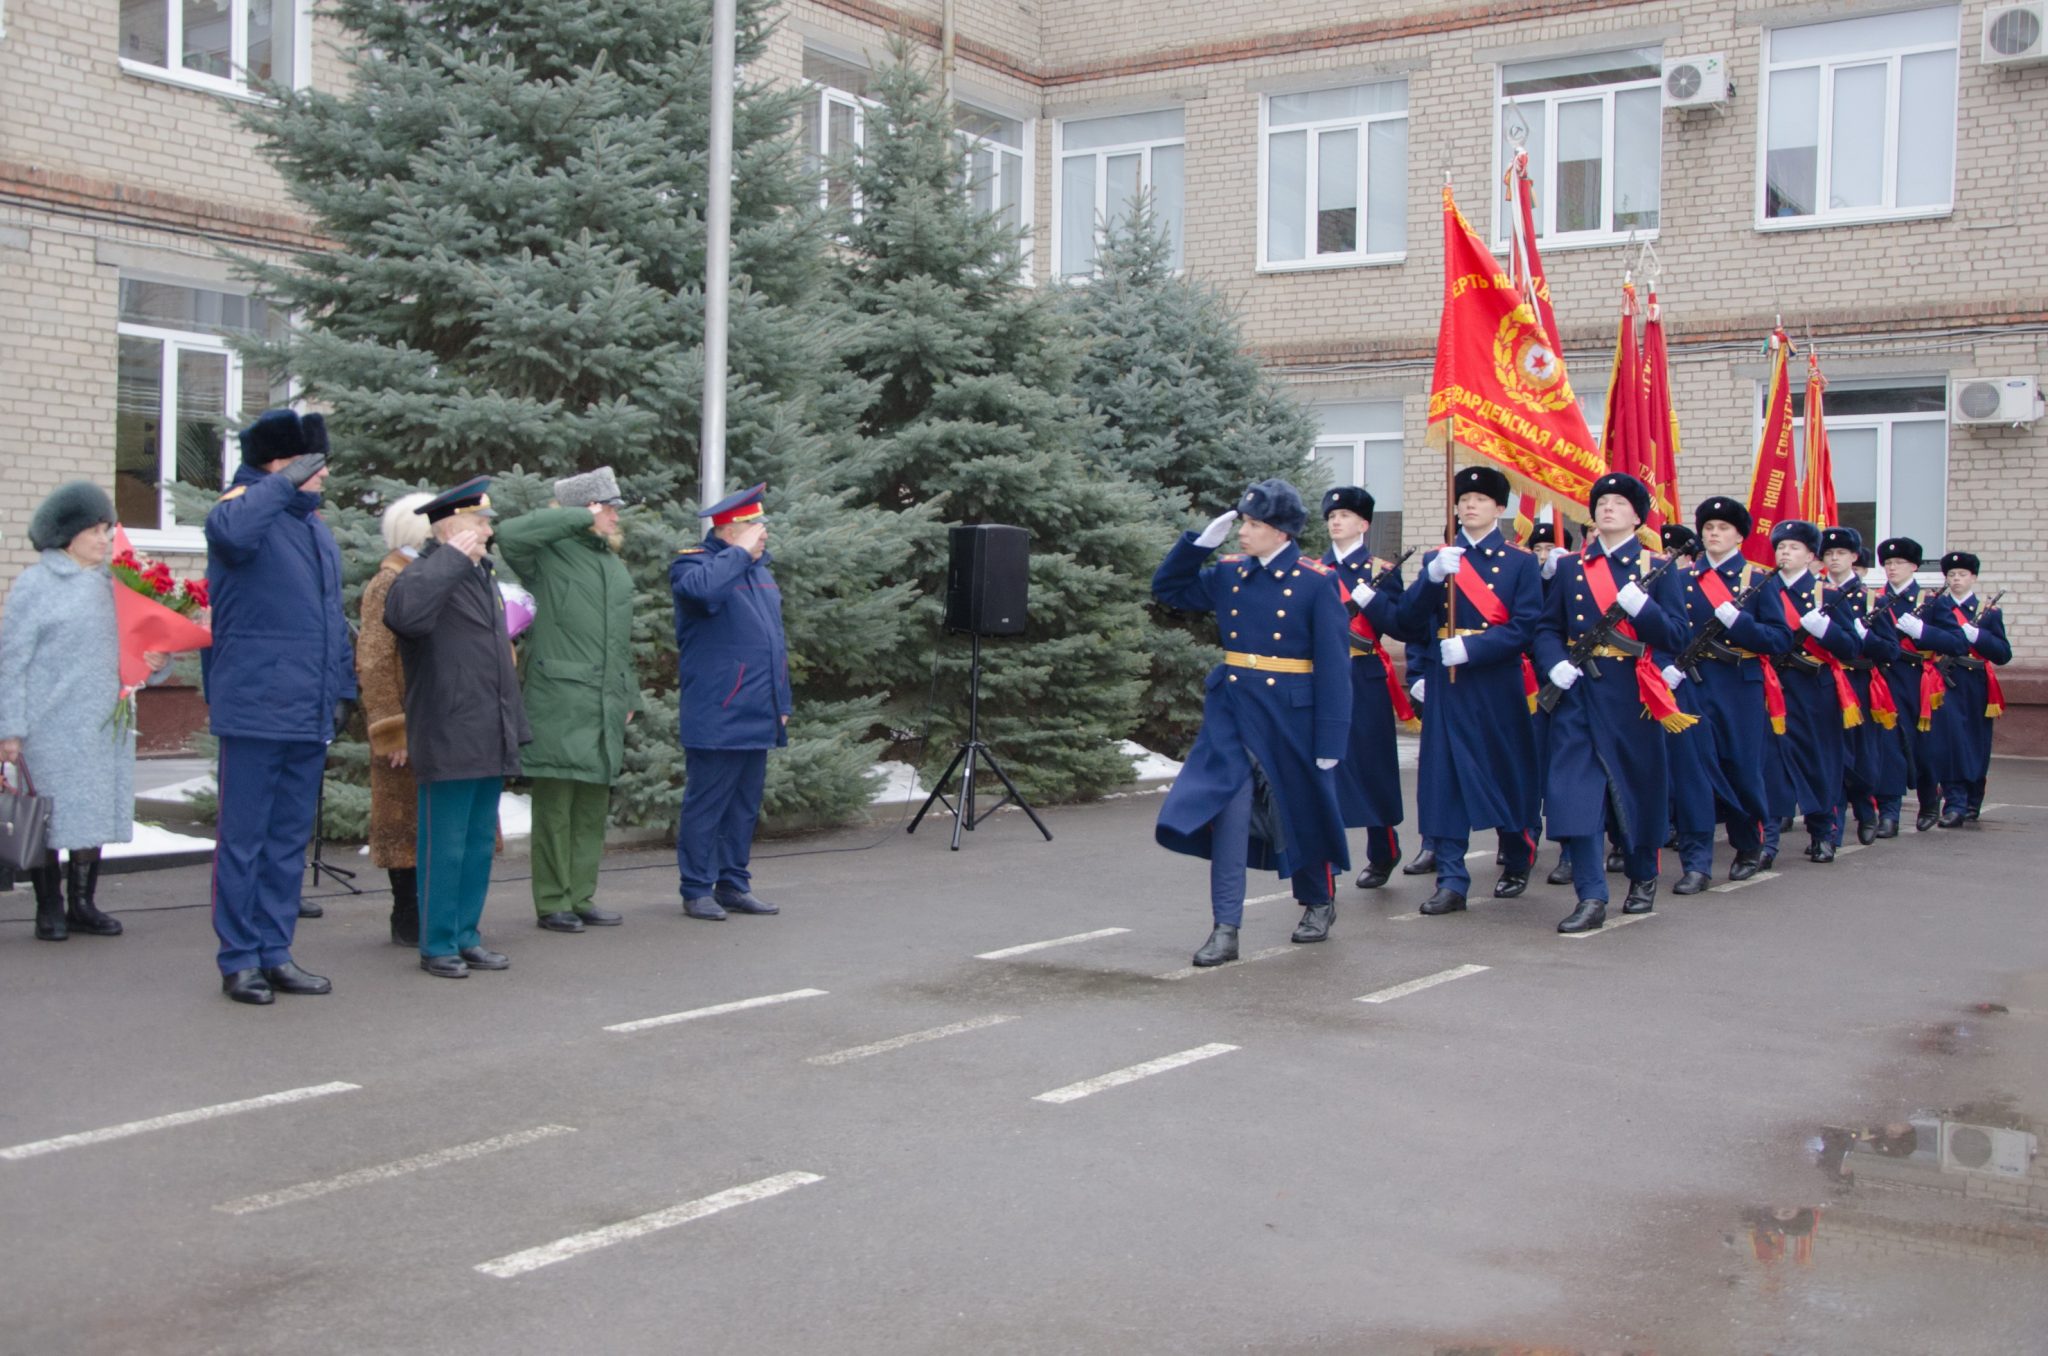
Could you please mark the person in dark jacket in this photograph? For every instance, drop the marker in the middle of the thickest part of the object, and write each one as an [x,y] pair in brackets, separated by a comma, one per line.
[279,665]
[1975,699]
[1369,775]
[1926,633]
[464,722]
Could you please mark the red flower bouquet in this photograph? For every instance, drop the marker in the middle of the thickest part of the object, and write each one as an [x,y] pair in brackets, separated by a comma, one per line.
[153,612]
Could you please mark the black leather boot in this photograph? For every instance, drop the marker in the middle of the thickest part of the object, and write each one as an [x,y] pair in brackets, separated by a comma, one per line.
[1315,923]
[1423,865]
[1888,827]
[1511,884]
[1617,862]
[82,876]
[1373,877]
[1444,901]
[1691,883]
[1591,913]
[1746,864]
[1642,897]
[1866,832]
[49,887]
[1561,874]
[1221,947]
[405,905]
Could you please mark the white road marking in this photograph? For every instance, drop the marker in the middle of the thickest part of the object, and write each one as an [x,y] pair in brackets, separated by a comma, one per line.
[716,1010]
[1426,982]
[1074,1092]
[204,1113]
[1847,848]
[914,1038]
[562,1249]
[1611,924]
[1190,971]
[306,1191]
[1270,899]
[1758,879]
[1010,951]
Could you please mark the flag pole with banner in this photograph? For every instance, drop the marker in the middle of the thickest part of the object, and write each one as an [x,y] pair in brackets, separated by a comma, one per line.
[1817,487]
[1662,417]
[1773,486]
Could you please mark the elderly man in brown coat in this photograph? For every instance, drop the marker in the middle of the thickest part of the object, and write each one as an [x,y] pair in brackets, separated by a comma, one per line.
[394,796]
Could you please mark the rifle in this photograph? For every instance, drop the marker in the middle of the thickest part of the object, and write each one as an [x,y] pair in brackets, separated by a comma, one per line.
[1707,644]
[1382,577]
[1970,660]
[1600,633]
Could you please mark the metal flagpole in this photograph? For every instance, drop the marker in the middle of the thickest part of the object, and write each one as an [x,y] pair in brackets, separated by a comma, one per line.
[718,251]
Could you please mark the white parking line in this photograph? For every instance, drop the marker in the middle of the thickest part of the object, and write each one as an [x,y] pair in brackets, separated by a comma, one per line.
[716,1010]
[204,1113]
[1620,920]
[1270,899]
[306,1191]
[562,1249]
[914,1038]
[1728,886]
[1426,982]
[1190,971]
[1010,951]
[1074,1092]
[1847,848]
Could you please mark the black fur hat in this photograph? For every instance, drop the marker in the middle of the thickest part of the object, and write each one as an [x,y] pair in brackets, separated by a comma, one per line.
[1352,497]
[1484,480]
[1625,485]
[1841,539]
[1901,548]
[1794,529]
[1722,509]
[278,434]
[68,511]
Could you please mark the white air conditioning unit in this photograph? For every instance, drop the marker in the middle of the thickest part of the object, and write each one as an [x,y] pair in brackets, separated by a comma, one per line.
[1986,1149]
[2016,35]
[1994,400]
[1696,82]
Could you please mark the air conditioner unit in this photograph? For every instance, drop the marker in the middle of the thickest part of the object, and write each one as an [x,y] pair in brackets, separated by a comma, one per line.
[1696,82]
[1994,400]
[1986,1149]
[2016,35]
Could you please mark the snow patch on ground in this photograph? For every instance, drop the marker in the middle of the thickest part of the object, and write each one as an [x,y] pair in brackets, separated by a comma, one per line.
[152,841]
[1151,767]
[899,784]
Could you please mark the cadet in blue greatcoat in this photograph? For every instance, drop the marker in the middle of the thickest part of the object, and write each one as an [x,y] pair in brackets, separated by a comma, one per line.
[279,665]
[1926,632]
[733,704]
[1871,756]
[1609,769]
[1369,777]
[1258,790]
[1477,765]
[1820,704]
[1974,700]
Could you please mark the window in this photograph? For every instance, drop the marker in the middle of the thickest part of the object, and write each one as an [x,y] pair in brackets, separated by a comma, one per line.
[180,393]
[1859,119]
[221,45]
[834,126]
[1334,177]
[1889,444]
[997,165]
[1595,124]
[1361,445]
[1105,163]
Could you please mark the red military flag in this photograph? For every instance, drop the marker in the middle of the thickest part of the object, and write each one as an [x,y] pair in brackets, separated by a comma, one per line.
[1662,420]
[1621,431]
[1817,486]
[1773,484]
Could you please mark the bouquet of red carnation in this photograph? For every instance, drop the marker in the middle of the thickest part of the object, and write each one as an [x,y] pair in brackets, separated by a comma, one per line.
[153,612]
[152,579]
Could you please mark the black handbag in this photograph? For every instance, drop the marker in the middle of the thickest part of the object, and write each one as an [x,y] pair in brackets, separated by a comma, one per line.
[24,823]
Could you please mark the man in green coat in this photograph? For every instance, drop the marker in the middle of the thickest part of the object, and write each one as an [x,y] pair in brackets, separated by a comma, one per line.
[576,669]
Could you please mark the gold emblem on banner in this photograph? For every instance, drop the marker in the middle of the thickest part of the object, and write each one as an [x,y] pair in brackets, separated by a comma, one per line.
[1529,369]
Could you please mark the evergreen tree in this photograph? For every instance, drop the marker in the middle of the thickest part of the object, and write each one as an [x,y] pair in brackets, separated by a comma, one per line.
[1188,413]
[974,415]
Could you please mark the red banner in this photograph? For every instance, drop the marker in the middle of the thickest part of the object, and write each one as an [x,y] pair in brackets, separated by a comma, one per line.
[1662,422]
[1773,482]
[1622,431]
[1817,486]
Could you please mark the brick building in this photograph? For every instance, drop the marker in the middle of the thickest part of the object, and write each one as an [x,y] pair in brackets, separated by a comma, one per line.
[1870,177]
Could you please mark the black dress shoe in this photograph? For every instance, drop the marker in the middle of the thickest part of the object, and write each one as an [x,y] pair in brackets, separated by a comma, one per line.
[1821,852]
[1763,863]
[1926,820]
[289,978]
[1511,884]
[1423,865]
[1617,862]
[308,909]
[483,958]
[1972,813]
[704,907]
[1442,902]
[1500,856]
[600,918]
[248,986]
[1373,877]
[1951,819]
[1642,897]
[1746,864]
[741,901]
[1691,883]
[446,967]
[1315,923]
[1887,828]
[1590,914]
[1561,874]
[1866,832]
[1221,947]
[561,920]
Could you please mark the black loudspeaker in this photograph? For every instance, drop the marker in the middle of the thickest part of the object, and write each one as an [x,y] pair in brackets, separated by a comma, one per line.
[987,580]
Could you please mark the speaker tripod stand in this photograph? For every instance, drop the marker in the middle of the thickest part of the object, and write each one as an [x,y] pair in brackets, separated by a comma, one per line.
[963,762]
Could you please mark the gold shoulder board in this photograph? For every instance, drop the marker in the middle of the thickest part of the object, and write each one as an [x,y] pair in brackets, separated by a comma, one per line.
[235,493]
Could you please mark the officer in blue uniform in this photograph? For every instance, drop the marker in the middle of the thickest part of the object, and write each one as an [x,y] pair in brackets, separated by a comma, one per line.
[279,665]
[733,705]
[1717,765]
[1925,634]
[1973,699]
[1871,755]
[1608,763]
[1810,755]
[1477,766]
[1369,777]
[1258,790]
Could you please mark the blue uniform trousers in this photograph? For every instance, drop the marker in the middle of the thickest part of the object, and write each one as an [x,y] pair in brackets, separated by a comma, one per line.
[1961,797]
[1229,858]
[721,805]
[269,789]
[1589,865]
[457,836]
[1517,849]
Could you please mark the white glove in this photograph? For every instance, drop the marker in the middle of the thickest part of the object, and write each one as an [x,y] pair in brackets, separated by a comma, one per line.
[1361,592]
[1325,764]
[1631,598]
[1673,676]
[1415,690]
[1862,631]
[1550,563]
[1815,622]
[1563,675]
[1912,626]
[1446,563]
[1451,649]
[1971,633]
[1219,528]
[1726,613]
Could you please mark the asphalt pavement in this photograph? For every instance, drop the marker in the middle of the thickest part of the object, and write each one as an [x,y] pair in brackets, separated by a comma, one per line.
[978,1101]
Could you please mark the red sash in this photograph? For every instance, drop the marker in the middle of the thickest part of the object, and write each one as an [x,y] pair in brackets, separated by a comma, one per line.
[1884,708]
[1994,695]
[1716,588]
[1363,635]
[1480,594]
[1933,687]
[1713,585]
[1658,703]
[1852,710]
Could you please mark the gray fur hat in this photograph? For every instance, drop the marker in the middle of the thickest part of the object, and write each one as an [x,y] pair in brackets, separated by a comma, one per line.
[592,487]
[69,510]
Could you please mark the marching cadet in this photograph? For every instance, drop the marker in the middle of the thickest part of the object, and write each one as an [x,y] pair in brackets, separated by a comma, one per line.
[1474,604]
[1871,755]
[1926,633]
[1551,546]
[1717,766]
[1974,699]
[1369,776]
[1257,790]
[1820,704]
[1681,543]
[1608,768]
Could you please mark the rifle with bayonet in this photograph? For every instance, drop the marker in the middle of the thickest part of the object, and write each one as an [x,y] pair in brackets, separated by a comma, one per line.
[1378,581]
[1602,632]
[1707,644]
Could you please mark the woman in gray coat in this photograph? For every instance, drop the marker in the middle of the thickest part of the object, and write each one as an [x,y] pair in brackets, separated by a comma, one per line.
[60,675]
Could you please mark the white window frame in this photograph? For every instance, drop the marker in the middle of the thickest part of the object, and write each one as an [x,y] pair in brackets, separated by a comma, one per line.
[826,97]
[1327,446]
[182,536]
[1360,123]
[1027,167]
[1544,106]
[237,86]
[1102,156]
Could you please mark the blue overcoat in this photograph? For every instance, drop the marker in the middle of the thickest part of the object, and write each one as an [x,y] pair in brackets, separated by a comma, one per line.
[1939,635]
[731,656]
[1717,766]
[1871,755]
[1965,743]
[1806,774]
[1369,778]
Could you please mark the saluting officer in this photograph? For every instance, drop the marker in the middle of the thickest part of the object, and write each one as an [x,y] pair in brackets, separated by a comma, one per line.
[1871,755]
[733,704]
[1608,765]
[1974,699]
[1820,704]
[1369,777]
[1474,606]
[1926,633]
[1257,791]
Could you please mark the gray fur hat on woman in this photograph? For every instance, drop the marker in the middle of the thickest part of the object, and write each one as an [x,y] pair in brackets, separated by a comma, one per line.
[592,487]
[69,510]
